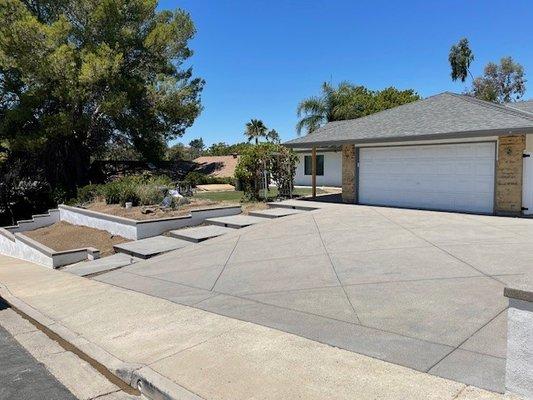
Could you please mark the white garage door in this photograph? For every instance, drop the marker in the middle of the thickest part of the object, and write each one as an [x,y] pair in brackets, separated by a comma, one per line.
[456,177]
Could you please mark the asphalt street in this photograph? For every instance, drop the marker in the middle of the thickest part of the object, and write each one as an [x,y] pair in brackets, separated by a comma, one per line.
[22,377]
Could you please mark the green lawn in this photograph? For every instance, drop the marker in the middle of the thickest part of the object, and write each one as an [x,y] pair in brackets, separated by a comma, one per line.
[235,196]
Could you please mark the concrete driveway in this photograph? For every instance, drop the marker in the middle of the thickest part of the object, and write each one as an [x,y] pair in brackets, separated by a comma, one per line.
[416,288]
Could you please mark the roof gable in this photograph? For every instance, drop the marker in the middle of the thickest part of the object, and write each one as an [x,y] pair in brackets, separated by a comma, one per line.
[443,115]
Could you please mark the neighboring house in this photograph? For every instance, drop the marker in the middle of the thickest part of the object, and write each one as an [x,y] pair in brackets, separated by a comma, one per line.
[328,171]
[217,166]
[447,152]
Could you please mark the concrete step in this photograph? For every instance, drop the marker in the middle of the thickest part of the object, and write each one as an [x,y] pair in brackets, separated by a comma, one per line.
[150,247]
[99,265]
[200,233]
[291,204]
[275,212]
[235,221]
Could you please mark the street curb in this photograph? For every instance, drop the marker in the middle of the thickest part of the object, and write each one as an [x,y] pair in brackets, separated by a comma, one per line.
[139,376]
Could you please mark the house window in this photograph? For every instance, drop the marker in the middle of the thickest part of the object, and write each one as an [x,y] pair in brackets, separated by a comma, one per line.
[319,165]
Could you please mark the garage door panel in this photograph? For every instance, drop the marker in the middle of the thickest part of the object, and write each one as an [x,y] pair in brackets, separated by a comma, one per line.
[448,177]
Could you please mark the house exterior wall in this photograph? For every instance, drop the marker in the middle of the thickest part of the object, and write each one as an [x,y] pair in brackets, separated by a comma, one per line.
[508,176]
[349,186]
[509,168]
[332,170]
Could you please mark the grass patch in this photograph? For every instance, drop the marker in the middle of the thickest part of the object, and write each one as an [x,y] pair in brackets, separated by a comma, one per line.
[235,196]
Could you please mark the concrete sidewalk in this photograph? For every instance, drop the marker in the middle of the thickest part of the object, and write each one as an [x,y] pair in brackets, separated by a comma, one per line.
[188,353]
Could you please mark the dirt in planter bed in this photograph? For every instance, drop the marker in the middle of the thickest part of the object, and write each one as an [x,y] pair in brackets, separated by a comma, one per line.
[64,236]
[136,213]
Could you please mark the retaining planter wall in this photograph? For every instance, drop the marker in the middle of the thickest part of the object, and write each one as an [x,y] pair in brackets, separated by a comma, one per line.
[20,246]
[14,243]
[133,229]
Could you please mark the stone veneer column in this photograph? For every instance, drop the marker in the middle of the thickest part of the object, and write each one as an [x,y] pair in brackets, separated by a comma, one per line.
[348,173]
[509,174]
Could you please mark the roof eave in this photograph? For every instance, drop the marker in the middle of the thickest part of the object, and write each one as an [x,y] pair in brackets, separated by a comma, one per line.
[437,136]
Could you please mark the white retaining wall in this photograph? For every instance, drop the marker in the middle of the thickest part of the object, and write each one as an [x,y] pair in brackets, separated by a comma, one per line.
[10,246]
[133,229]
[14,244]
[37,221]
[519,366]
[19,246]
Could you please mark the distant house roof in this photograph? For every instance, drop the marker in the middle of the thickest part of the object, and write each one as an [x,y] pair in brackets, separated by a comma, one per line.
[220,166]
[446,115]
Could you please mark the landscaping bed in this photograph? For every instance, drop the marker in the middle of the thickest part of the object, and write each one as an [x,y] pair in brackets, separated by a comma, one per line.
[64,236]
[139,213]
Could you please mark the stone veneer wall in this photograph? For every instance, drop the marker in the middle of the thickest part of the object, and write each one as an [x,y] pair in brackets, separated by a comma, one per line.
[509,174]
[349,194]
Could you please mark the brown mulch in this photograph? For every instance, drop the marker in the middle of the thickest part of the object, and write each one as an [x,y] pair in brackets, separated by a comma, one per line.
[137,212]
[64,236]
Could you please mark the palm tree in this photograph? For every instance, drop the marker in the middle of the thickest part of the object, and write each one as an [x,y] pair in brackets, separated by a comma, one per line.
[347,101]
[333,104]
[255,129]
[273,136]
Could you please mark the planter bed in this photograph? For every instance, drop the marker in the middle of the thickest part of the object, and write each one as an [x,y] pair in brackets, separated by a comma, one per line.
[63,236]
[21,246]
[139,229]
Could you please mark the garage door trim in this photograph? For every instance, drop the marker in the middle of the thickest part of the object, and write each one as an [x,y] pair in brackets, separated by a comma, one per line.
[358,181]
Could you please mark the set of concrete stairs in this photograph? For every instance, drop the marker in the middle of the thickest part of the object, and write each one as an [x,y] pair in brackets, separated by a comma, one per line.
[132,252]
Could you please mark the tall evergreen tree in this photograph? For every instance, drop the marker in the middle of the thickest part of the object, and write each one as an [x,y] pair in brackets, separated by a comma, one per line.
[77,74]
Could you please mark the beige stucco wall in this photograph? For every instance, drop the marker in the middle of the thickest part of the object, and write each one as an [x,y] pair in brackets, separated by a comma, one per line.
[348,173]
[509,174]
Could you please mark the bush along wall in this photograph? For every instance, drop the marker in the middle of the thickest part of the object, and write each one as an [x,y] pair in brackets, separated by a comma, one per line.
[279,163]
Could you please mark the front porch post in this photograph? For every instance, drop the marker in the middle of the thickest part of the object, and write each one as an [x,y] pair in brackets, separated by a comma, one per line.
[313,170]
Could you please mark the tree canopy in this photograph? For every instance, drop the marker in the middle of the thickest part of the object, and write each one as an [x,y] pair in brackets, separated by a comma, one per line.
[347,101]
[79,75]
[460,59]
[255,129]
[500,83]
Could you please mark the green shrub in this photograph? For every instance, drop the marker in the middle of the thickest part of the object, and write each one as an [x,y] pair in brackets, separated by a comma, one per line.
[280,164]
[128,193]
[89,193]
[142,189]
[111,192]
[150,194]
[195,178]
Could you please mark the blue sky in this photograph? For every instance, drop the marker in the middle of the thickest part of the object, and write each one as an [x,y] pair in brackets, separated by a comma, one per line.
[260,58]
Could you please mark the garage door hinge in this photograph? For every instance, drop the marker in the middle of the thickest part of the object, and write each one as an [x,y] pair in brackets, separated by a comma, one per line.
[525,208]
[526,155]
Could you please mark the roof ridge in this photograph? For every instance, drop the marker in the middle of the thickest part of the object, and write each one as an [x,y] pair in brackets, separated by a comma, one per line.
[487,104]
[519,109]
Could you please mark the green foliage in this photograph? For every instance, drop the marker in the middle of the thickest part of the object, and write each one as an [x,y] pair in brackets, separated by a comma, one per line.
[347,101]
[255,129]
[177,152]
[195,178]
[500,83]
[150,194]
[196,147]
[89,193]
[277,160]
[460,58]
[79,75]
[223,149]
[138,189]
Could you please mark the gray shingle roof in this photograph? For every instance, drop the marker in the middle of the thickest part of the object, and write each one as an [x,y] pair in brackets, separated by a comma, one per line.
[446,115]
[526,106]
